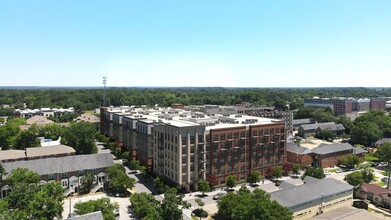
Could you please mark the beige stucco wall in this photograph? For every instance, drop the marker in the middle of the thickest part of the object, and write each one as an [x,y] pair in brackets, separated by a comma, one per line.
[327,206]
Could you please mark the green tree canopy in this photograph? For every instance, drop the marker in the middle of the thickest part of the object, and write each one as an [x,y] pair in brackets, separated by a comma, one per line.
[256,205]
[86,182]
[349,161]
[145,206]
[254,177]
[119,181]
[231,181]
[203,186]
[296,169]
[384,153]
[355,179]
[277,172]
[102,204]
[171,204]
[25,139]
[81,136]
[365,133]
[31,200]
[316,172]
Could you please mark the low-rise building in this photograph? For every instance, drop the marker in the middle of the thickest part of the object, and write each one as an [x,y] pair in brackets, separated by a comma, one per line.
[67,170]
[298,155]
[311,129]
[327,155]
[33,153]
[377,195]
[314,198]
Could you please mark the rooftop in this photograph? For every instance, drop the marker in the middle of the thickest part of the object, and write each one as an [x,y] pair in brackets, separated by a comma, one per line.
[12,154]
[292,147]
[309,191]
[332,148]
[62,164]
[48,150]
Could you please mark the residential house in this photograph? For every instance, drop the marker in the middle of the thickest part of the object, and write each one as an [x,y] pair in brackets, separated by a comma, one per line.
[381,141]
[377,195]
[296,123]
[67,170]
[32,153]
[311,129]
[314,198]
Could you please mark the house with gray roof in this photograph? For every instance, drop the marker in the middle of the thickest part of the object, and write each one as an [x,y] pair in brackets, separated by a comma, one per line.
[32,153]
[381,141]
[311,129]
[296,123]
[67,170]
[313,198]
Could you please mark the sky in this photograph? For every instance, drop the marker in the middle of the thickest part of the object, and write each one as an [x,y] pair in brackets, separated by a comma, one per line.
[225,43]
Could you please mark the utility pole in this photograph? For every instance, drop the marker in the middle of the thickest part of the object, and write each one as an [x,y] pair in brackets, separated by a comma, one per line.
[104,90]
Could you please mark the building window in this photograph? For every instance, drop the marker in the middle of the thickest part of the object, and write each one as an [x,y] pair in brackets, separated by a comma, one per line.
[81,172]
[50,176]
[63,175]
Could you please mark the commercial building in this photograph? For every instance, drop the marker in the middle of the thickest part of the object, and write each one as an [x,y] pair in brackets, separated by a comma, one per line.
[45,112]
[298,155]
[328,155]
[315,197]
[186,146]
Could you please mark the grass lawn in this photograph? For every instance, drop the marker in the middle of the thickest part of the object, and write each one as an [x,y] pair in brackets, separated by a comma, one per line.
[381,184]
[333,170]
[370,157]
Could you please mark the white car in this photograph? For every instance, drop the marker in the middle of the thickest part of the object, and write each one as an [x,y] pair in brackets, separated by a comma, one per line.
[327,173]
[219,195]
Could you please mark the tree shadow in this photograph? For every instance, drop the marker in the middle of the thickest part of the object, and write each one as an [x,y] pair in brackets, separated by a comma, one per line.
[202,195]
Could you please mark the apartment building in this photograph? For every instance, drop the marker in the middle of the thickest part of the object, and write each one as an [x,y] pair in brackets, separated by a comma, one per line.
[343,106]
[186,146]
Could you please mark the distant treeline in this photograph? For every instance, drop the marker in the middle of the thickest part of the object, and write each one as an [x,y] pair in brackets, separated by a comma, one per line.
[90,98]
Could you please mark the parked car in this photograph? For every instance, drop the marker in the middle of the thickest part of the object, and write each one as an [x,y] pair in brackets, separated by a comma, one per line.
[327,173]
[116,214]
[339,171]
[219,195]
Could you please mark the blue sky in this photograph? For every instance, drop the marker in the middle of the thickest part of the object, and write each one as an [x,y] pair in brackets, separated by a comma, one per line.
[196,43]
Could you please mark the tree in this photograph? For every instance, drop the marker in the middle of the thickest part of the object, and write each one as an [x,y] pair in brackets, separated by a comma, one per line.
[159,185]
[349,161]
[31,200]
[199,202]
[52,131]
[286,168]
[368,174]
[212,180]
[143,170]
[365,133]
[47,203]
[277,172]
[3,172]
[170,205]
[255,205]
[326,134]
[231,181]
[134,165]
[86,182]
[25,139]
[102,204]
[296,169]
[355,179]
[316,172]
[81,136]
[119,181]
[145,206]
[384,154]
[203,186]
[254,177]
